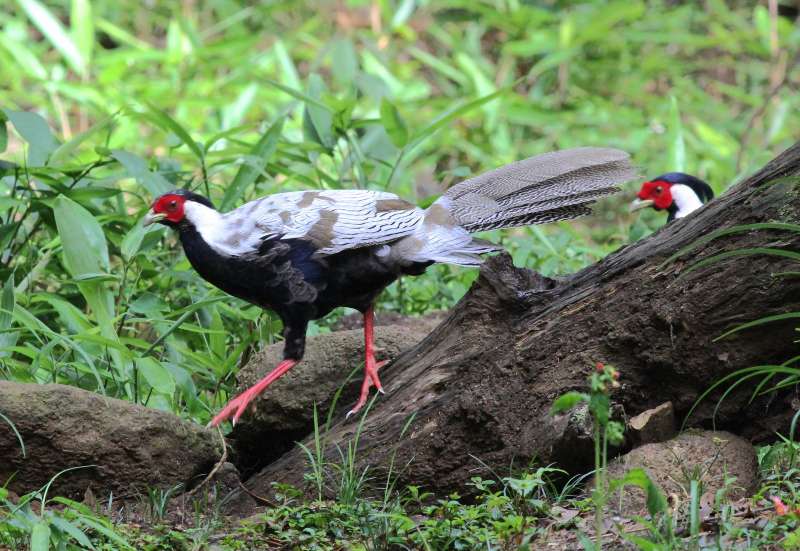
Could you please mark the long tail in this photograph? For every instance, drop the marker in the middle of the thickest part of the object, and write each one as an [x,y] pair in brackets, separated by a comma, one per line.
[545,188]
[549,187]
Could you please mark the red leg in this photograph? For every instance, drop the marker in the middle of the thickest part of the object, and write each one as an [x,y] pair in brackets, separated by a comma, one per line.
[371,367]
[242,400]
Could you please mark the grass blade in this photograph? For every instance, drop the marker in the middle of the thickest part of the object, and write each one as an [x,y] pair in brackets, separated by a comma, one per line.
[162,119]
[54,31]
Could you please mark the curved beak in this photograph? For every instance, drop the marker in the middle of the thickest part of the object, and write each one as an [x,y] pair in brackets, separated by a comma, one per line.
[151,218]
[638,204]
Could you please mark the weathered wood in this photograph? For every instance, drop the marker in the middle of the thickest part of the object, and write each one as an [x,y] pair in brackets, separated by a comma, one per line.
[482,384]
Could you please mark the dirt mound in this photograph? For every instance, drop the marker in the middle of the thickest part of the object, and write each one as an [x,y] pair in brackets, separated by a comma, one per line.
[710,457]
[130,447]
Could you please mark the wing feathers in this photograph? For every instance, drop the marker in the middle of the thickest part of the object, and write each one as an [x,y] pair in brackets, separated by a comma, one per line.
[332,221]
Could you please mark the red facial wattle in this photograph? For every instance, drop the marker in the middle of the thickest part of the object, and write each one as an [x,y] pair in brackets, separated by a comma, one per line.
[657,191]
[171,205]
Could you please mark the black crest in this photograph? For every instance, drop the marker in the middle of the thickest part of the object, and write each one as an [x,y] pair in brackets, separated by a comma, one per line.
[702,189]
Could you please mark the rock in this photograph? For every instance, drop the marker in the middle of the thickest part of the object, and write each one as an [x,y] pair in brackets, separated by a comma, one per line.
[573,439]
[708,456]
[284,413]
[131,447]
[356,321]
[653,425]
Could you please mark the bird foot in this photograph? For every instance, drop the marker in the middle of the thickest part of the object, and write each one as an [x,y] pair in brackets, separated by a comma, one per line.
[370,378]
[238,405]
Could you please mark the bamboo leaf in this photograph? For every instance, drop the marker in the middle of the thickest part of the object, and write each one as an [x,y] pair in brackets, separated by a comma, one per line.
[320,118]
[82,28]
[36,132]
[137,167]
[40,536]
[156,375]
[3,132]
[162,119]
[677,146]
[132,241]
[83,240]
[394,124]
[54,31]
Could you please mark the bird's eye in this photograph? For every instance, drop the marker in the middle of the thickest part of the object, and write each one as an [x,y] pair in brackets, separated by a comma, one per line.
[658,189]
[173,204]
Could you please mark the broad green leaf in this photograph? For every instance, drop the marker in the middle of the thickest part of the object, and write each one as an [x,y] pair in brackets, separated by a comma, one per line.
[567,401]
[642,544]
[68,528]
[218,334]
[3,132]
[321,118]
[132,241]
[69,315]
[105,530]
[162,119]
[186,386]
[156,375]
[394,124]
[247,174]
[233,114]
[344,61]
[55,33]
[7,303]
[85,248]
[82,28]
[36,132]
[677,147]
[85,254]
[40,536]
[288,70]
[137,167]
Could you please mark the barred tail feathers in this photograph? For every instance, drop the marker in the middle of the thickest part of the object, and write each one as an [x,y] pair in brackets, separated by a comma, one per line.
[554,186]
[549,187]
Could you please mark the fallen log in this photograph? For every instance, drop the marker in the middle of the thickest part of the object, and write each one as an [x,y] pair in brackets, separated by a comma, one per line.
[481,385]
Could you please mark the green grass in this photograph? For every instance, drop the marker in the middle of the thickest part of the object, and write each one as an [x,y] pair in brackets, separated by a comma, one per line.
[105,105]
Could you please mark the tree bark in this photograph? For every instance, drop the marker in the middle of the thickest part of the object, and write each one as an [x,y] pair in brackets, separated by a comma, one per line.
[481,385]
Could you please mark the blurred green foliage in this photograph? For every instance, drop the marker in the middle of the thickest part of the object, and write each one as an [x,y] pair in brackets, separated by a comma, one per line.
[107,104]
